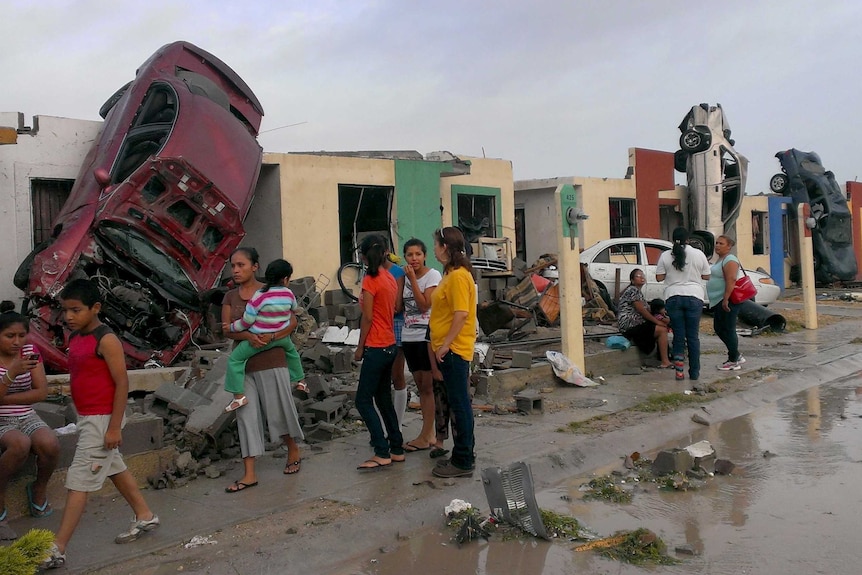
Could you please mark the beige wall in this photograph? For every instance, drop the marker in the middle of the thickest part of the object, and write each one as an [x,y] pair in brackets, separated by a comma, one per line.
[595,193]
[744,248]
[309,207]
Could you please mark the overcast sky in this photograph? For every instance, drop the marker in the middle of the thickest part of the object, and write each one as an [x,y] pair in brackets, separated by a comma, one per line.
[560,88]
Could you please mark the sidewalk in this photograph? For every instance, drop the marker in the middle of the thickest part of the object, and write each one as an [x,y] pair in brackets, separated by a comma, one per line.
[374,509]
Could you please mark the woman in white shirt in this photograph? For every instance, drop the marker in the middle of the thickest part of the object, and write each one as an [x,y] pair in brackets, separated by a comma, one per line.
[683,270]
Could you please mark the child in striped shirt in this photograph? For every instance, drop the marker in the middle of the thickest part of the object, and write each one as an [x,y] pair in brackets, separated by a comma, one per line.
[268,312]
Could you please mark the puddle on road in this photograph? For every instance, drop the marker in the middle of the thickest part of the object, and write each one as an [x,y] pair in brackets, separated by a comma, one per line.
[791,506]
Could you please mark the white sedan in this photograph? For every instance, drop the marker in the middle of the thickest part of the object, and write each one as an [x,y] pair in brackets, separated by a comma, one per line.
[604,258]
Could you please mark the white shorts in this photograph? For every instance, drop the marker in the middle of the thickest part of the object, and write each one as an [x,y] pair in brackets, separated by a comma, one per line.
[92,463]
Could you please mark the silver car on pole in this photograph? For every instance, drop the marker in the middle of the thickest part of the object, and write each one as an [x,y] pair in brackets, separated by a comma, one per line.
[716,175]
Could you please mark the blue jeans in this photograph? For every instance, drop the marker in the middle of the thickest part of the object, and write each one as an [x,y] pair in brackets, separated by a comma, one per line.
[375,384]
[685,312]
[456,373]
[724,323]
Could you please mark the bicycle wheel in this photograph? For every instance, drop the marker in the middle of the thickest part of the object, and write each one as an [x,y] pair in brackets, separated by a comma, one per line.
[350,279]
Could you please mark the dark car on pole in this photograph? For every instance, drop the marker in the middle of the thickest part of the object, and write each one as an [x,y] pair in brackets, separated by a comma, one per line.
[156,209]
[806,181]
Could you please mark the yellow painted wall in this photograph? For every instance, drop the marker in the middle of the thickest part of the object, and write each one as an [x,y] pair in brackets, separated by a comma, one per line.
[487,172]
[309,212]
[744,248]
[595,193]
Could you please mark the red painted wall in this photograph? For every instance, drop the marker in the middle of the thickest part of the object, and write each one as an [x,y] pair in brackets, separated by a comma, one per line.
[854,194]
[653,173]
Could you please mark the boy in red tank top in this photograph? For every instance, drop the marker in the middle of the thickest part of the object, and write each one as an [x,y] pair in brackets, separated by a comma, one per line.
[100,388]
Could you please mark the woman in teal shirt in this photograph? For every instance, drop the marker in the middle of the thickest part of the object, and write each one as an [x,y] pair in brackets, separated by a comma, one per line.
[722,279]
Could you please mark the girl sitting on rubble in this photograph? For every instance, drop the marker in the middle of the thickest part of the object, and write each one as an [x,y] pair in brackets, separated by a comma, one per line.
[269,311]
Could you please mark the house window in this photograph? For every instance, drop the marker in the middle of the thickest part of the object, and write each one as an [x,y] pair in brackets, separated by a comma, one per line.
[48,197]
[759,221]
[520,233]
[621,214]
[477,216]
[362,210]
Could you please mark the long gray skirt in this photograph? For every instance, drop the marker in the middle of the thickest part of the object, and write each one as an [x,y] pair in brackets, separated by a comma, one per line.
[269,399]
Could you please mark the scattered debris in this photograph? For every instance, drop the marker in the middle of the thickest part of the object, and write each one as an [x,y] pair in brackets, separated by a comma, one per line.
[200,540]
[639,547]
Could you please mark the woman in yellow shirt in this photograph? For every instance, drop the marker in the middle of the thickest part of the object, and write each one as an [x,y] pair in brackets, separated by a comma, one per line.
[453,335]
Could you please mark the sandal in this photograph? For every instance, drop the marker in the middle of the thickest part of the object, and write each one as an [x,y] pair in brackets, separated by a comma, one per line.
[236,403]
[293,467]
[43,510]
[301,386]
[238,486]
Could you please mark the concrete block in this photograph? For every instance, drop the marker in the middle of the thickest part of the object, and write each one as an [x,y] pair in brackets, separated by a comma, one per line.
[484,383]
[484,284]
[529,401]
[334,297]
[342,360]
[143,432]
[702,455]
[485,295]
[497,284]
[301,286]
[170,397]
[672,461]
[51,413]
[331,410]
[210,419]
[318,387]
[512,281]
[340,320]
[320,314]
[353,323]
[519,264]
[522,359]
[352,311]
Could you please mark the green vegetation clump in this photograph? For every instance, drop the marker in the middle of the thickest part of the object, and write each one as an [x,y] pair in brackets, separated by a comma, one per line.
[668,402]
[25,555]
[639,547]
[562,526]
[605,488]
[582,426]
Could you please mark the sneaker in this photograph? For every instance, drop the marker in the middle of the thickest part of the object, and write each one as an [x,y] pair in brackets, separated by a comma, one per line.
[741,360]
[729,366]
[450,470]
[55,559]
[138,528]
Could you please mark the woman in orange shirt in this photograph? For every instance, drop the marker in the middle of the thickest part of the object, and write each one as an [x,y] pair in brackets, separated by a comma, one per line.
[377,350]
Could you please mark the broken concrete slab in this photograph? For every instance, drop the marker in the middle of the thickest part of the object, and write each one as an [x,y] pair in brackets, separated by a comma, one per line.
[672,461]
[522,359]
[703,455]
[352,338]
[336,334]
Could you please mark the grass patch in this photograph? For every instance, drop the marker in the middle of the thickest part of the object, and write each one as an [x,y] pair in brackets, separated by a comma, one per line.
[560,526]
[582,426]
[856,340]
[639,547]
[606,489]
[668,402]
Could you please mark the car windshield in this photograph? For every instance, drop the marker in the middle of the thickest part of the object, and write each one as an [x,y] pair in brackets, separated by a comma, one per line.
[147,259]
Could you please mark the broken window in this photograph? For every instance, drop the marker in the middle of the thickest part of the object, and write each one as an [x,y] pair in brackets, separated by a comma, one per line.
[621,215]
[212,238]
[148,133]
[362,210]
[477,216]
[759,222]
[48,197]
[520,233]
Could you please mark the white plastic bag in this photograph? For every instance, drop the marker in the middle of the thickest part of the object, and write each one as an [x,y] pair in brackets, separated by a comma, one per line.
[568,371]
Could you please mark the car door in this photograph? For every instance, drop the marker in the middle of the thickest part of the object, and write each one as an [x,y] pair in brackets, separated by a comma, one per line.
[625,256]
[652,251]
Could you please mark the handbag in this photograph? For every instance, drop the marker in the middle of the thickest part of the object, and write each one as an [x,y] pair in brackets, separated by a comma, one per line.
[743,289]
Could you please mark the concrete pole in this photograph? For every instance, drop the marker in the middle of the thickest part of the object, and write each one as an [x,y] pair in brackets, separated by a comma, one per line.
[806,266]
[569,265]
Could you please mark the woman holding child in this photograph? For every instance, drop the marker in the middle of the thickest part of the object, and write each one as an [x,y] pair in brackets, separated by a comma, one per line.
[638,324]
[267,378]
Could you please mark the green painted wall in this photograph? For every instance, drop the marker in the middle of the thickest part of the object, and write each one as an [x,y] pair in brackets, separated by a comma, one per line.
[458,190]
[417,201]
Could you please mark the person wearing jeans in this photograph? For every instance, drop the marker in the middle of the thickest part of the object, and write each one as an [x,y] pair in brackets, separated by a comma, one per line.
[453,336]
[683,269]
[376,350]
[718,289]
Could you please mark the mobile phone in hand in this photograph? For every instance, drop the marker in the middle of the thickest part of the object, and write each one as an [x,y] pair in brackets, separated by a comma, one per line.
[33,357]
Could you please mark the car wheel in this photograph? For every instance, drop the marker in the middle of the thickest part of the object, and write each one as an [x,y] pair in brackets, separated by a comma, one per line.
[702,241]
[778,183]
[693,141]
[680,159]
[606,296]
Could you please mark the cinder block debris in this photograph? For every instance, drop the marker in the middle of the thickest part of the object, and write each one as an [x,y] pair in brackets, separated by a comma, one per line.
[672,461]
[703,455]
[522,359]
[318,387]
[330,410]
[528,401]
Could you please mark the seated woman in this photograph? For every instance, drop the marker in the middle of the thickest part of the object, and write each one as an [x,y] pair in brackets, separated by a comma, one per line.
[636,322]
[23,383]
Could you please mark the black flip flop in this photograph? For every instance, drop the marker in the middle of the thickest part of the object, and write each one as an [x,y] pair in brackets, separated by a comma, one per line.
[239,486]
[438,452]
